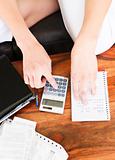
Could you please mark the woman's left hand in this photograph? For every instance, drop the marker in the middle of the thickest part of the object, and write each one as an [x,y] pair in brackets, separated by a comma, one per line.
[84,69]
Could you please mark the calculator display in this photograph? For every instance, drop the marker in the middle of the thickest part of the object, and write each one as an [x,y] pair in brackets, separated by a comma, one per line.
[52,103]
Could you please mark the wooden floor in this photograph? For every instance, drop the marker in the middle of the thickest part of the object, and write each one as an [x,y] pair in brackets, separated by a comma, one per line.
[86,140]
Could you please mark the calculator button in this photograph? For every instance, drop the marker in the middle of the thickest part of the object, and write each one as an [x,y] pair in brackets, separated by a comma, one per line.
[50,85]
[56,79]
[49,93]
[65,80]
[57,90]
[47,85]
[47,82]
[60,79]
[63,87]
[64,84]
[63,95]
[59,95]
[56,94]
[59,87]
[60,83]
[54,90]
[50,89]
[63,91]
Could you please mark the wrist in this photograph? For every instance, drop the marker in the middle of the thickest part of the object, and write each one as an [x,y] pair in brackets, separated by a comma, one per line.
[89,32]
[84,45]
[26,42]
[86,37]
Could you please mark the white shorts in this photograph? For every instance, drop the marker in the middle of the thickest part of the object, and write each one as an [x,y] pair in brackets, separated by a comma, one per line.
[73,15]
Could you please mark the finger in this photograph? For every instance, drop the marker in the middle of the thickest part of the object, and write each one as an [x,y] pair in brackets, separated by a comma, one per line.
[26,79]
[93,87]
[31,81]
[75,83]
[75,90]
[43,80]
[51,80]
[93,84]
[84,98]
[84,91]
[38,81]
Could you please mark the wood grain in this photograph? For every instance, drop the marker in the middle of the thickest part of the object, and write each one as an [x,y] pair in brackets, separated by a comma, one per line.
[85,140]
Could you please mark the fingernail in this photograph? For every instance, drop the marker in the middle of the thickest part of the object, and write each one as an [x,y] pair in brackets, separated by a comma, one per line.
[26,82]
[56,86]
[32,86]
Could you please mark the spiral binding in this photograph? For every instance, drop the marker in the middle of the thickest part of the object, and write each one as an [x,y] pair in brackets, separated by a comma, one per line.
[106,94]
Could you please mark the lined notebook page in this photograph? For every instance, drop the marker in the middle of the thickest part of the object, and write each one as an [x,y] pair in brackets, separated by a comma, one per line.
[97,108]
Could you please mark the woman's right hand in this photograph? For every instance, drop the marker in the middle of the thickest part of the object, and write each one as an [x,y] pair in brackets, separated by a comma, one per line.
[36,65]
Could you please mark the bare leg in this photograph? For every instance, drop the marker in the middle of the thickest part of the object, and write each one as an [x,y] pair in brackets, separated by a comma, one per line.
[35,10]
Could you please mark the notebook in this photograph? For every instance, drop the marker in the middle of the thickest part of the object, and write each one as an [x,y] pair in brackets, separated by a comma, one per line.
[20,141]
[14,94]
[97,108]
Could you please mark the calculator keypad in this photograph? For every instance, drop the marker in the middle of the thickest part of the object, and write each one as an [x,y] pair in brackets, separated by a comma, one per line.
[61,91]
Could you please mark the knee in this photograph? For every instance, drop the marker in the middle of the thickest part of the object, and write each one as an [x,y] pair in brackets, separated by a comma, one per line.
[25,8]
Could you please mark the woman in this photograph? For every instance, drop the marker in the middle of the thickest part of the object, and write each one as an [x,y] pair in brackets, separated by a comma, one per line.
[90,24]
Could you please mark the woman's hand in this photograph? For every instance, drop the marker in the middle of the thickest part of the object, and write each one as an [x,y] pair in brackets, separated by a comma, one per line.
[84,69]
[36,65]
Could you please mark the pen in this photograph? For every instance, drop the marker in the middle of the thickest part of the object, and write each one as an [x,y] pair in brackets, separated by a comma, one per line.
[36,99]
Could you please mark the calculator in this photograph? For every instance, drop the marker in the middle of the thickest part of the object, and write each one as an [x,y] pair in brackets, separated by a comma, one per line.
[53,100]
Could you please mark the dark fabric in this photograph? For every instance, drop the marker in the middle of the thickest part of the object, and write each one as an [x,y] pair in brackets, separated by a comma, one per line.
[50,32]
[6,49]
